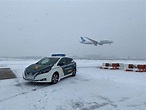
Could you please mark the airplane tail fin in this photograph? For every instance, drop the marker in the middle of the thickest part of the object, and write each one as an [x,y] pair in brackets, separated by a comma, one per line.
[82,39]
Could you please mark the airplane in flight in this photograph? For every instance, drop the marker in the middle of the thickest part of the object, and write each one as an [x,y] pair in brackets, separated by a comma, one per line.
[94,42]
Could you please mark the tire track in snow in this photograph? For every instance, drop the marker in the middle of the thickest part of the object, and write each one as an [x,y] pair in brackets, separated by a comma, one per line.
[22,93]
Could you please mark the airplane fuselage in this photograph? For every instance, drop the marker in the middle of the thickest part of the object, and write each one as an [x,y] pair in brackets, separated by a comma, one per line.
[86,42]
[94,42]
[104,42]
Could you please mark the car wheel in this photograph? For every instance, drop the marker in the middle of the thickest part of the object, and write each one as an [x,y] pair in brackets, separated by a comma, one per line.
[74,72]
[55,78]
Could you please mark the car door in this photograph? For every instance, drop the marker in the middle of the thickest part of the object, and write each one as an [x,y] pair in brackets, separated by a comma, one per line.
[66,66]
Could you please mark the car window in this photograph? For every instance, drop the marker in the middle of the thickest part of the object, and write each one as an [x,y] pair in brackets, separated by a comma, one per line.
[68,60]
[65,61]
[62,61]
[48,61]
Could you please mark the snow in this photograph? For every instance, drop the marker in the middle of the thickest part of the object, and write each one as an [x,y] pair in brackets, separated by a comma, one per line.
[91,89]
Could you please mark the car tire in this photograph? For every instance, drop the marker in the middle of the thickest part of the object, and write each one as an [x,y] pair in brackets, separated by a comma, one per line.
[74,72]
[55,78]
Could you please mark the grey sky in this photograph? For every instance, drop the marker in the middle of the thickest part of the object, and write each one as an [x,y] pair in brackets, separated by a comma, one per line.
[42,27]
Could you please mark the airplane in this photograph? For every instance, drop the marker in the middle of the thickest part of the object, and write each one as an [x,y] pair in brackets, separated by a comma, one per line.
[94,42]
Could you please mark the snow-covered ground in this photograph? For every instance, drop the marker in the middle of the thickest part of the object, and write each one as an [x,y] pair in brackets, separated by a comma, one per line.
[91,89]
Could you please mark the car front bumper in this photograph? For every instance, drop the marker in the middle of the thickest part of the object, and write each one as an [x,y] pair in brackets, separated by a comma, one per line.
[39,78]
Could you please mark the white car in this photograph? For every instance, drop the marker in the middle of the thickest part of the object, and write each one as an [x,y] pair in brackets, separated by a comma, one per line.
[50,69]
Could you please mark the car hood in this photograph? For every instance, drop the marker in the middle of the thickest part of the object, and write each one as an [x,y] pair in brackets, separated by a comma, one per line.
[34,68]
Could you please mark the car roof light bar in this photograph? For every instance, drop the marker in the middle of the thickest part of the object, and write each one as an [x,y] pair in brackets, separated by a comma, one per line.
[62,55]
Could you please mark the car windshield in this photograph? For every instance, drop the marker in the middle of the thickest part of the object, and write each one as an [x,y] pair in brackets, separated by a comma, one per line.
[48,61]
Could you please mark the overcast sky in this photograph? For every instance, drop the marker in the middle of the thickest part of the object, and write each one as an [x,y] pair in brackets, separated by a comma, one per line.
[42,27]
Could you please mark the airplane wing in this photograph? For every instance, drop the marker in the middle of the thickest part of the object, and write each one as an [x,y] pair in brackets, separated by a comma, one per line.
[94,41]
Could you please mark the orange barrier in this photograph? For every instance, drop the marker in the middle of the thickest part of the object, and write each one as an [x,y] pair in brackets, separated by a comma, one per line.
[112,66]
[141,68]
[129,67]
[105,66]
[126,67]
[135,68]
[115,66]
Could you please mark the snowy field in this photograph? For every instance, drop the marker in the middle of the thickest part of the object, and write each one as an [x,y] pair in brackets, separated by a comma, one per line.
[91,89]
